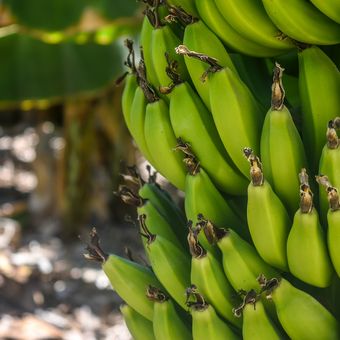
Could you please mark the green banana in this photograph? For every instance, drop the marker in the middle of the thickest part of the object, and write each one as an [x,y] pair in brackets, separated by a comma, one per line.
[205,322]
[329,165]
[129,279]
[169,262]
[250,19]
[307,253]
[256,323]
[282,150]
[331,8]
[268,220]
[161,141]
[333,221]
[241,263]
[301,316]
[193,123]
[196,35]
[139,327]
[301,21]
[209,278]
[145,42]
[167,324]
[202,197]
[320,104]
[213,18]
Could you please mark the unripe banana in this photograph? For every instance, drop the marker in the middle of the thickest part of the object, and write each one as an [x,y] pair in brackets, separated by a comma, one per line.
[205,322]
[213,18]
[169,262]
[256,323]
[333,221]
[161,141]
[329,165]
[320,104]
[193,123]
[139,327]
[282,150]
[167,324]
[301,316]
[307,253]
[250,19]
[241,263]
[331,8]
[301,21]
[127,97]
[198,37]
[209,278]
[268,220]
[129,279]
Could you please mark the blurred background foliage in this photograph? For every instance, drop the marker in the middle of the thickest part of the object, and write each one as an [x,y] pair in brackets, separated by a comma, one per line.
[59,60]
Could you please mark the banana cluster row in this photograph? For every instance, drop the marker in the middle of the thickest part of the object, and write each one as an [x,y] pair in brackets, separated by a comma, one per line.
[252,141]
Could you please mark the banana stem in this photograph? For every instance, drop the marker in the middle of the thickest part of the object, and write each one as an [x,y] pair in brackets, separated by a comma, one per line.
[155,294]
[267,286]
[127,195]
[306,194]
[278,92]
[333,140]
[249,298]
[180,15]
[212,62]
[95,253]
[256,172]
[145,231]
[194,299]
[212,233]
[196,249]
[332,193]
[190,160]
[129,62]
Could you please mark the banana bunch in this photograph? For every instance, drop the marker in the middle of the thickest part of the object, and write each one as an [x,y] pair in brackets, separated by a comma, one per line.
[237,104]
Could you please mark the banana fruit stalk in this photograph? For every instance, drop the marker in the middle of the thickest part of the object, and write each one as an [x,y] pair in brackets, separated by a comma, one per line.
[169,262]
[167,324]
[205,322]
[139,327]
[301,316]
[307,253]
[208,276]
[282,150]
[256,323]
[268,220]
[120,271]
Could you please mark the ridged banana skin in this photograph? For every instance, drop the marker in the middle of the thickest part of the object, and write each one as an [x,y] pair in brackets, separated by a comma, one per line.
[208,276]
[130,280]
[195,37]
[333,237]
[162,201]
[172,267]
[307,253]
[269,224]
[202,197]
[207,325]
[232,101]
[145,42]
[161,141]
[127,97]
[241,263]
[164,40]
[303,22]
[257,325]
[250,19]
[329,165]
[210,14]
[139,327]
[193,123]
[283,156]
[320,104]
[157,223]
[331,8]
[167,325]
[302,316]
[187,5]
[137,118]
